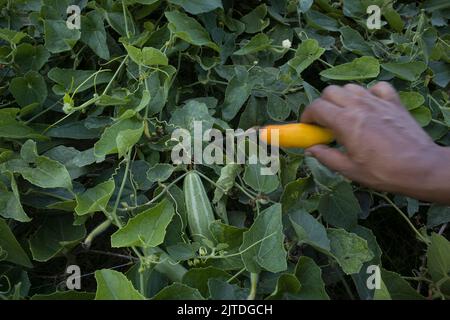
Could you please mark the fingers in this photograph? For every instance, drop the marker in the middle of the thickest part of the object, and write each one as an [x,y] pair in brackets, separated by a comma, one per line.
[333,159]
[321,112]
[385,91]
[348,95]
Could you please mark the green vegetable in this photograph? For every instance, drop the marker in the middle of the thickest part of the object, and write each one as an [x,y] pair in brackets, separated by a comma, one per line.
[198,207]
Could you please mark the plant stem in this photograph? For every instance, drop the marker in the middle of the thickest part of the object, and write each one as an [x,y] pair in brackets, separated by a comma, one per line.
[253,286]
[404,216]
[102,227]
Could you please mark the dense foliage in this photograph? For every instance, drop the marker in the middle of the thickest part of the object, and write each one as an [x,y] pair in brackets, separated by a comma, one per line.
[86,176]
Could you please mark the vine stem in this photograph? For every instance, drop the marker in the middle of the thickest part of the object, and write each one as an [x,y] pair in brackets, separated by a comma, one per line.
[404,216]
[253,286]
[217,186]
[166,188]
[115,75]
[116,218]
[102,227]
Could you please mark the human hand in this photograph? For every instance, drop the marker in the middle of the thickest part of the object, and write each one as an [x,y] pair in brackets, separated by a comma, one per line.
[385,148]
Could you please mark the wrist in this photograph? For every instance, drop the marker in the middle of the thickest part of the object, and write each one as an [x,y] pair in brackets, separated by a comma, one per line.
[432,179]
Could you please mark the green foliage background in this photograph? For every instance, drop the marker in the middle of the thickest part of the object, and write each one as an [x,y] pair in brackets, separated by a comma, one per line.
[85,174]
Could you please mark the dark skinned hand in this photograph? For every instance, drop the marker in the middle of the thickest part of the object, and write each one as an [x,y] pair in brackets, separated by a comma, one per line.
[385,148]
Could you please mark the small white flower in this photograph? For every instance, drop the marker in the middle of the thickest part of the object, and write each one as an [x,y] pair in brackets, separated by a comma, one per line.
[286,44]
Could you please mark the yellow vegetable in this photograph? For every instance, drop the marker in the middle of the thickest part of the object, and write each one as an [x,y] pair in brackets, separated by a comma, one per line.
[297,135]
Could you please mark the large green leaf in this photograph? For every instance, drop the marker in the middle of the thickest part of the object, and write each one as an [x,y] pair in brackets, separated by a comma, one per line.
[39,170]
[9,244]
[95,199]
[340,207]
[178,291]
[198,6]
[147,229]
[56,234]
[309,230]
[113,285]
[29,89]
[438,261]
[94,35]
[59,38]
[350,250]
[409,71]
[188,29]
[263,248]
[259,182]
[119,137]
[359,69]
[308,52]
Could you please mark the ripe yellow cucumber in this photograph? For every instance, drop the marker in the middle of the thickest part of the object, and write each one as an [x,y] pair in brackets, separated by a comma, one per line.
[296,135]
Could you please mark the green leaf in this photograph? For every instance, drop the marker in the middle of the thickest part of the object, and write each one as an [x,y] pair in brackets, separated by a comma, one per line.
[192,111]
[11,36]
[226,180]
[222,290]
[198,6]
[409,71]
[340,207]
[14,252]
[263,243]
[258,181]
[39,170]
[10,128]
[257,43]
[359,69]
[422,115]
[189,30]
[68,80]
[56,234]
[322,175]
[178,291]
[354,42]
[254,21]
[438,261]
[147,229]
[321,21]
[310,276]
[397,288]
[147,56]
[411,100]
[437,215]
[287,286]
[393,18]
[160,172]
[119,137]
[113,285]
[95,199]
[198,278]
[236,94]
[94,35]
[29,57]
[304,5]
[29,89]
[307,52]
[309,230]
[277,107]
[10,206]
[349,250]
[59,38]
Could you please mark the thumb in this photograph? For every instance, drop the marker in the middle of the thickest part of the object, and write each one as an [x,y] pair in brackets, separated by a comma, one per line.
[332,158]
